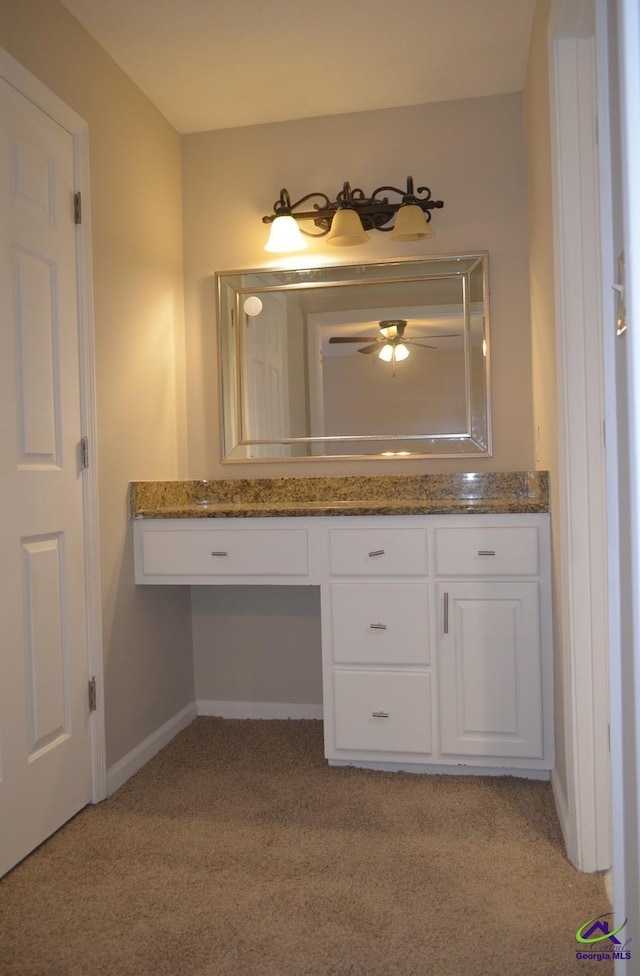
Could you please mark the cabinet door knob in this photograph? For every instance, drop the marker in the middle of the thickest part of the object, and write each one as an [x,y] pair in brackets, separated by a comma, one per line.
[377,552]
[219,552]
[378,626]
[486,552]
[380,714]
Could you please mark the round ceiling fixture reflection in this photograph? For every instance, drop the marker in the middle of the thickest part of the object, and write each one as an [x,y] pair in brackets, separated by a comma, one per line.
[252,306]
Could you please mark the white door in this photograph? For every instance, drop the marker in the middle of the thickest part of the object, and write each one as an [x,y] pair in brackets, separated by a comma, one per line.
[490,669]
[45,745]
[266,396]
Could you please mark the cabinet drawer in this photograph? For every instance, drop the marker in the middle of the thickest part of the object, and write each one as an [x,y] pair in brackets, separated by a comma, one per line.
[380,623]
[378,552]
[382,711]
[216,552]
[487,551]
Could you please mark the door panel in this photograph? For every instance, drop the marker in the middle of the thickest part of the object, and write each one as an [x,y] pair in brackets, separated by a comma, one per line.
[36,338]
[490,670]
[46,650]
[45,756]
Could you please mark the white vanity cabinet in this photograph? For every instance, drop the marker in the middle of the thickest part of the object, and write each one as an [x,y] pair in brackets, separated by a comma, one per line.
[436,629]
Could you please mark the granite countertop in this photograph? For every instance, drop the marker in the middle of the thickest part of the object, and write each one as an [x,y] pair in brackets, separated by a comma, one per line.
[443,494]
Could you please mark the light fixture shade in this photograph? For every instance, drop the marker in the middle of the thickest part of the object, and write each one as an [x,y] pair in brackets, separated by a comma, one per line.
[346,229]
[411,224]
[285,235]
[396,351]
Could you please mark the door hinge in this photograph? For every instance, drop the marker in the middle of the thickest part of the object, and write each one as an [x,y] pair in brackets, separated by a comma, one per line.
[93,700]
[84,453]
[77,207]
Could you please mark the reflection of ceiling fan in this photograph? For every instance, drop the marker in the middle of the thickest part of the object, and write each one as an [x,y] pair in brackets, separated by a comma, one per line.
[391,344]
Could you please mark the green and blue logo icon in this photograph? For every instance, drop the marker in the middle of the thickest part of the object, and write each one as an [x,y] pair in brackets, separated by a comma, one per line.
[599,936]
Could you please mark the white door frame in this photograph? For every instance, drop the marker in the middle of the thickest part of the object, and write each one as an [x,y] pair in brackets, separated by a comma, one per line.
[582,520]
[625,473]
[29,86]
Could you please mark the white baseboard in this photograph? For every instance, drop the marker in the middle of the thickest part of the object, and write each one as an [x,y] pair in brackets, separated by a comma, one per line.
[121,771]
[256,709]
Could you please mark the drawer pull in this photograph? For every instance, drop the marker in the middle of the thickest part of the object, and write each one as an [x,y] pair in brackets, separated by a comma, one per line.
[377,552]
[486,552]
[378,626]
[446,613]
[219,552]
[380,714]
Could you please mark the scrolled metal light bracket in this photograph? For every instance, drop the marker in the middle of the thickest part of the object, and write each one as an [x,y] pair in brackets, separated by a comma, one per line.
[376,211]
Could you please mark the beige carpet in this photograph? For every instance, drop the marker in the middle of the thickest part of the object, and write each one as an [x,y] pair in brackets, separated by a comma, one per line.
[238,852]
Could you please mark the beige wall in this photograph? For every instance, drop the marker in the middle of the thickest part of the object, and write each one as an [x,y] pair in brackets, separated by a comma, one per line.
[471,154]
[376,398]
[258,643]
[139,325]
[543,337]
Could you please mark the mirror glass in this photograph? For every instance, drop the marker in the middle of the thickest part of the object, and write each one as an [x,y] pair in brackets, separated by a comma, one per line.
[388,359]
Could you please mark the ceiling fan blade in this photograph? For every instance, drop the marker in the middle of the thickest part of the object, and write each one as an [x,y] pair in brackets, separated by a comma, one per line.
[427,345]
[367,350]
[354,339]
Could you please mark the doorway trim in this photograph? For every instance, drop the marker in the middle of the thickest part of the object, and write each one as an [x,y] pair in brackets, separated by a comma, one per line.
[585,808]
[28,85]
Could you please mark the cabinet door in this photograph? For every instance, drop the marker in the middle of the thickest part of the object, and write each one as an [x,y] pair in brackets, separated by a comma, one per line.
[490,669]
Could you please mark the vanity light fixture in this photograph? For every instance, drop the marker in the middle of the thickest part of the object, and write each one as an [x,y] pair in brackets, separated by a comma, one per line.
[345,221]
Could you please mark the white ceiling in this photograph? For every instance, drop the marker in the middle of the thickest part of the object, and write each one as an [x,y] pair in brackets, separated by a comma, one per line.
[212,64]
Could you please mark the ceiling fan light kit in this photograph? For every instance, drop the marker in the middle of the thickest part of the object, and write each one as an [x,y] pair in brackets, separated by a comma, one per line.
[393,351]
[346,220]
[394,344]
